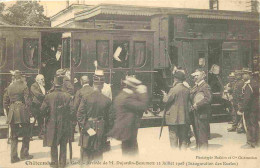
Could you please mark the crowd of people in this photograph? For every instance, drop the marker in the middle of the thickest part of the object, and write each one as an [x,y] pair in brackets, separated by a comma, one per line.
[242,95]
[58,111]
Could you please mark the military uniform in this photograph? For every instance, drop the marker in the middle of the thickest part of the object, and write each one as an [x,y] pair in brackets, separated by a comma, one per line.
[237,99]
[37,98]
[56,109]
[250,108]
[93,114]
[201,115]
[16,102]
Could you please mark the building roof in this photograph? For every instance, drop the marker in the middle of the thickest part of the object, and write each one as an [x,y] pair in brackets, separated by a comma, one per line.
[134,12]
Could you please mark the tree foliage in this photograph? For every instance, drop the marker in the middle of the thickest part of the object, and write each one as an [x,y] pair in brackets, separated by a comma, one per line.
[2,7]
[26,13]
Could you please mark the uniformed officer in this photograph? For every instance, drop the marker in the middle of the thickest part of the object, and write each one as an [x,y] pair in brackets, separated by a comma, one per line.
[129,105]
[16,101]
[201,99]
[177,112]
[250,109]
[237,99]
[38,93]
[56,109]
[93,116]
[227,96]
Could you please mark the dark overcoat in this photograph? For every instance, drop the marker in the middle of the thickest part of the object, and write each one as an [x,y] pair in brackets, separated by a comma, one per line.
[16,99]
[93,112]
[201,115]
[56,109]
[177,105]
[129,107]
[85,90]
[67,86]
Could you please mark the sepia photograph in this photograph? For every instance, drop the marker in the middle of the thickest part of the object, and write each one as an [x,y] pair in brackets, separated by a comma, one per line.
[129,83]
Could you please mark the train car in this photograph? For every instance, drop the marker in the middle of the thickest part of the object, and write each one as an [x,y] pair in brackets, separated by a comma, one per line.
[33,50]
[226,41]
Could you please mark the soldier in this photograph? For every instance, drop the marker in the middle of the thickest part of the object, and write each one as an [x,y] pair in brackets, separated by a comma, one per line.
[227,96]
[93,116]
[201,98]
[249,108]
[237,98]
[18,116]
[56,109]
[129,107]
[38,93]
[177,112]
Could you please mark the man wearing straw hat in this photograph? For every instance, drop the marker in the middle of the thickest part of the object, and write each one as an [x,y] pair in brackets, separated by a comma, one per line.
[56,109]
[201,99]
[17,96]
[129,105]
[249,109]
[93,117]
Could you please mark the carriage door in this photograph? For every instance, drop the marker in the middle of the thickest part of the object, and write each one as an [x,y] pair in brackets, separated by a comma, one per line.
[121,62]
[67,52]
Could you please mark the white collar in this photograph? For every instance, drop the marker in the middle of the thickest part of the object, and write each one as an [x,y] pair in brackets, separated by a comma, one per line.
[42,89]
[128,91]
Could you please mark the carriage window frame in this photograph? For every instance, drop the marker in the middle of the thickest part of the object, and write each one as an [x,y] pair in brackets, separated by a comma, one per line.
[66,49]
[145,55]
[25,40]
[3,53]
[98,52]
[77,51]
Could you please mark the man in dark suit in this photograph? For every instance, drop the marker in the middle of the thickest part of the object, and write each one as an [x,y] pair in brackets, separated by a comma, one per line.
[129,105]
[177,111]
[86,89]
[16,101]
[250,109]
[56,109]
[93,115]
[38,93]
[201,99]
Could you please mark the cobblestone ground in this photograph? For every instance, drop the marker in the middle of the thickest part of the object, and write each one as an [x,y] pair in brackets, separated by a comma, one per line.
[224,151]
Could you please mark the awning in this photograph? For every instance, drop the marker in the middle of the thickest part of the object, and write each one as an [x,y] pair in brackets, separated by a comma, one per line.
[219,17]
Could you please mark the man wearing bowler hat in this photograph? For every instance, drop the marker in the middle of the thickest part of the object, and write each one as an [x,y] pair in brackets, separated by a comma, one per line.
[177,112]
[16,103]
[129,105]
[56,109]
[93,117]
[201,99]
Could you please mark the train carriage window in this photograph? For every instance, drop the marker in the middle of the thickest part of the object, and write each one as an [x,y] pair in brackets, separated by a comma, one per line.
[30,52]
[103,53]
[2,51]
[121,54]
[76,57]
[139,53]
